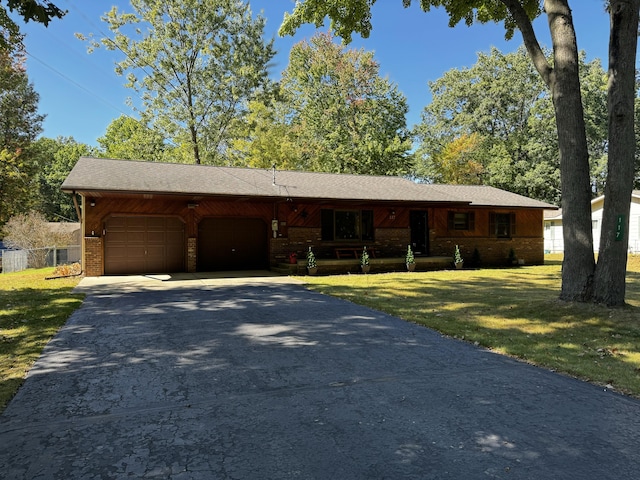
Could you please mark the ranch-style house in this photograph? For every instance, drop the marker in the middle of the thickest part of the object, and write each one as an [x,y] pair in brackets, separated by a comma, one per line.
[146,217]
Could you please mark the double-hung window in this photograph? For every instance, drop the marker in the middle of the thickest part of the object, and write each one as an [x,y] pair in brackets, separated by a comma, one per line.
[461,221]
[502,225]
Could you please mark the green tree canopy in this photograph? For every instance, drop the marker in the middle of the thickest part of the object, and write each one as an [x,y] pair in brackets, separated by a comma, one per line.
[343,116]
[503,100]
[20,124]
[55,160]
[129,139]
[267,137]
[333,112]
[195,64]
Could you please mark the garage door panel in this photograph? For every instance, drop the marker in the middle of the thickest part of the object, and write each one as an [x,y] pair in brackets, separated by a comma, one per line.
[158,238]
[174,238]
[232,244]
[139,244]
[135,237]
[117,222]
[156,223]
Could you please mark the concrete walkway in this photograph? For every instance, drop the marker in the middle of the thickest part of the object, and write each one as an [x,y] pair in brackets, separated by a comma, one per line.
[227,378]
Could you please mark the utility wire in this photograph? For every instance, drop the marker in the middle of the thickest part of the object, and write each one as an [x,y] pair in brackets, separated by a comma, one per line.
[126,54]
[73,82]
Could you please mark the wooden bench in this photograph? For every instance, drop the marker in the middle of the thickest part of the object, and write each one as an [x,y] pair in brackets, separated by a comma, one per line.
[353,252]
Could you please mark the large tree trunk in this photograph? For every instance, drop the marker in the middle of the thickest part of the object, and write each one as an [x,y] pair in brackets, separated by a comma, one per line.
[578,266]
[563,81]
[609,281]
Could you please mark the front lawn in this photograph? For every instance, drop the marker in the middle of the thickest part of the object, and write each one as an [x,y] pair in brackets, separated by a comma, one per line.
[515,312]
[32,310]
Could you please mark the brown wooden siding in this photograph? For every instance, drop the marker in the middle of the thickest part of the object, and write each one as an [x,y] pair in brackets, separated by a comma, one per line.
[299,226]
[528,222]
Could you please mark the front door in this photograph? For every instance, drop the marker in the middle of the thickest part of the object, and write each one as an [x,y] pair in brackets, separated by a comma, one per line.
[419,223]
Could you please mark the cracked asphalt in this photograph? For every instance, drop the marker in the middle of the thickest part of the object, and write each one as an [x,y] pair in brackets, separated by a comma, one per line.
[258,378]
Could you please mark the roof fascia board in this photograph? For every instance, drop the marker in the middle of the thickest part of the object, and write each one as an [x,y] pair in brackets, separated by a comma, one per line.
[279,198]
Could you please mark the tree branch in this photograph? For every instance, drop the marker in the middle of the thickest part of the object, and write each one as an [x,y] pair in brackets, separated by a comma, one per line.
[530,40]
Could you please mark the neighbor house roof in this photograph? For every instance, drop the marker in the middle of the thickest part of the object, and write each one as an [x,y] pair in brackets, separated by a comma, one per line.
[553,214]
[99,175]
[64,227]
[557,214]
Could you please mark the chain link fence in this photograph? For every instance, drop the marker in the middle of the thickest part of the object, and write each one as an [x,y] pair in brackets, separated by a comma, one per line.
[18,260]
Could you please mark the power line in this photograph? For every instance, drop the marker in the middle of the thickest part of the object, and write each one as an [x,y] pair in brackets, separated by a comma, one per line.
[76,84]
[135,63]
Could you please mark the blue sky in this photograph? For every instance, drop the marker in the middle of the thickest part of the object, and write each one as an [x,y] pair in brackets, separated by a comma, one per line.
[81,94]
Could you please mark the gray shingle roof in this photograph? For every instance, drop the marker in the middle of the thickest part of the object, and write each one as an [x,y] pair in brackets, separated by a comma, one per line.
[553,214]
[126,176]
[482,195]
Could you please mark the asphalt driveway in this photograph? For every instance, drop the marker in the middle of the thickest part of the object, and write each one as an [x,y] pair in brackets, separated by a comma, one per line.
[184,378]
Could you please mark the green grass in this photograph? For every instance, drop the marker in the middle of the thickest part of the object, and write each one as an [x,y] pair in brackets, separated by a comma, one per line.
[515,312]
[32,310]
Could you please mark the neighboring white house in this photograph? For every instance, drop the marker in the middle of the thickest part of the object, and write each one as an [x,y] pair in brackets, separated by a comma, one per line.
[553,241]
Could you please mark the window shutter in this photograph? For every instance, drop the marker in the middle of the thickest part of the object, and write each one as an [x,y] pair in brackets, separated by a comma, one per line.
[366,218]
[450,219]
[492,224]
[512,223]
[327,224]
[472,221]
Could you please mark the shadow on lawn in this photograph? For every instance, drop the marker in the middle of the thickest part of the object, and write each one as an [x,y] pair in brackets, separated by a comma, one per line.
[518,315]
[29,317]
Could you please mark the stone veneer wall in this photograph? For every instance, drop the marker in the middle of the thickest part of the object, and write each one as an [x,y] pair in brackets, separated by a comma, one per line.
[192,254]
[93,261]
[299,240]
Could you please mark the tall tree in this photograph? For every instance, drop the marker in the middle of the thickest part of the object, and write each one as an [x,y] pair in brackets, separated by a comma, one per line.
[609,281]
[20,124]
[502,99]
[460,162]
[580,281]
[129,139]
[55,160]
[347,118]
[195,63]
[267,137]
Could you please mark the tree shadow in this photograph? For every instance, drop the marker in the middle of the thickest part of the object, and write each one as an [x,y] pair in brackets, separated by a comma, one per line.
[518,315]
[29,318]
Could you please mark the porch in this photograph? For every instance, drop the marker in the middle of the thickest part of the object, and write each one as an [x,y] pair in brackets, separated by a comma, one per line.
[339,266]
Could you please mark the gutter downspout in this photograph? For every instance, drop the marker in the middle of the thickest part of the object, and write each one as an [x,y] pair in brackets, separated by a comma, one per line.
[82,232]
[75,204]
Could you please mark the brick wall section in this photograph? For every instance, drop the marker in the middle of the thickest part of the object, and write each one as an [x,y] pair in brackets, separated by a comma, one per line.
[392,242]
[93,251]
[299,240]
[192,254]
[493,252]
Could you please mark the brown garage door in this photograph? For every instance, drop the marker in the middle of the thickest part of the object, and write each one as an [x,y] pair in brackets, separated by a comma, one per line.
[137,244]
[232,244]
